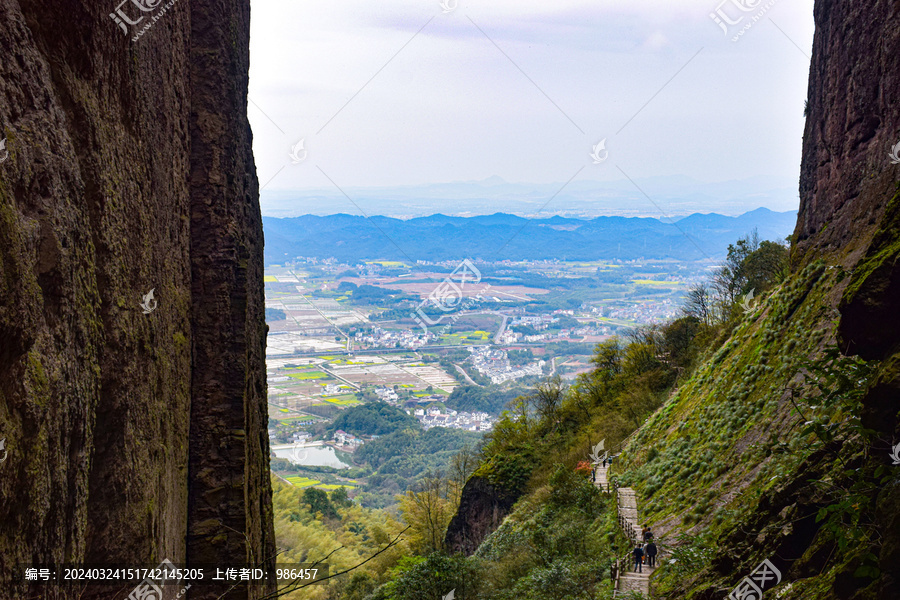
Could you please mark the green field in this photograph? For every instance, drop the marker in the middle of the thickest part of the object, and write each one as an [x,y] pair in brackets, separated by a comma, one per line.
[303,482]
[386,263]
[466,337]
[345,400]
[657,283]
[306,375]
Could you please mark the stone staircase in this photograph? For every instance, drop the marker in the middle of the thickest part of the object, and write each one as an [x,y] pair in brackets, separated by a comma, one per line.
[627,581]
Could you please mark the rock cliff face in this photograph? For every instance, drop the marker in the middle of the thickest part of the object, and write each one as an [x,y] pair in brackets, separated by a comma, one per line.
[482,508]
[852,122]
[850,207]
[131,436]
[762,500]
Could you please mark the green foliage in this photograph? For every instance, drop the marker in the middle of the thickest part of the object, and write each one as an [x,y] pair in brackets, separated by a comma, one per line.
[339,497]
[834,388]
[689,555]
[831,407]
[400,458]
[367,294]
[433,577]
[520,357]
[568,488]
[388,452]
[375,418]
[318,502]
[564,348]
[490,399]
[348,539]
[565,322]
[525,329]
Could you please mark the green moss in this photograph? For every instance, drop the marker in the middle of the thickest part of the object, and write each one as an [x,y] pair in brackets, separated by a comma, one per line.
[179,339]
[886,246]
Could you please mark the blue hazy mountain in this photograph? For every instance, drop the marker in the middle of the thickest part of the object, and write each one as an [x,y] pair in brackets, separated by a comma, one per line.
[581,198]
[503,236]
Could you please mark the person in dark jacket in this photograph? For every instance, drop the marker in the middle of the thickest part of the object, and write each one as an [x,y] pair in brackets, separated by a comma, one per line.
[651,551]
[638,554]
[648,534]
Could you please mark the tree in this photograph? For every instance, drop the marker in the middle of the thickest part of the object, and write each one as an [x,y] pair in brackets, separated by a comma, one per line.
[699,304]
[730,280]
[678,338]
[766,266]
[339,497]
[427,510]
[462,465]
[319,503]
[547,397]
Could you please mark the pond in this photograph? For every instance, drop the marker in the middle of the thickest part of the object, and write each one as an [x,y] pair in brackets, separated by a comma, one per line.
[310,456]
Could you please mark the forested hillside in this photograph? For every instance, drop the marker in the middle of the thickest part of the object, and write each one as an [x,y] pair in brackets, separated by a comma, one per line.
[440,237]
[740,425]
[760,427]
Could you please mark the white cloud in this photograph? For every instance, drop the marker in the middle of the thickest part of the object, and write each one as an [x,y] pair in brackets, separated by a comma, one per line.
[450,106]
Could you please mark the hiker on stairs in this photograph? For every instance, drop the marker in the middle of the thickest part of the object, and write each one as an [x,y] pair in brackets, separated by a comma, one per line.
[651,551]
[638,554]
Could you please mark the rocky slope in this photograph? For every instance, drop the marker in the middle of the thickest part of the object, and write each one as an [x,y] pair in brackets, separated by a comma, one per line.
[756,457]
[732,462]
[132,436]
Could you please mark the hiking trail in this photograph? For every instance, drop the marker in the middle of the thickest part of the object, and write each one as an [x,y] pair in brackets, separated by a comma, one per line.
[626,500]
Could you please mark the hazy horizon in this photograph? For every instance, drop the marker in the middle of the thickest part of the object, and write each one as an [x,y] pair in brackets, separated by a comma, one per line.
[662,197]
[402,94]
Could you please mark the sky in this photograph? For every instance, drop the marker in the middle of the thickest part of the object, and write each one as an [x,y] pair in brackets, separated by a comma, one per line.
[407,93]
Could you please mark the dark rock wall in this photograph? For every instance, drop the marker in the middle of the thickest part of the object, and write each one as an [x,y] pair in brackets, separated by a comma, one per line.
[129,168]
[229,481]
[482,508]
[850,211]
[852,122]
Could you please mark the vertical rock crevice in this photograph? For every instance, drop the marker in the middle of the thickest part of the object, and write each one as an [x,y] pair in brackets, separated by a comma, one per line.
[131,437]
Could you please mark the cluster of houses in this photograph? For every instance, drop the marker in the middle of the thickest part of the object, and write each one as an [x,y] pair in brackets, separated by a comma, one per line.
[387,394]
[649,312]
[382,338]
[495,365]
[346,439]
[433,417]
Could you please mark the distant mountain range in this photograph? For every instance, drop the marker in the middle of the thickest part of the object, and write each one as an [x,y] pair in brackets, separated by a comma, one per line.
[503,236]
[672,195]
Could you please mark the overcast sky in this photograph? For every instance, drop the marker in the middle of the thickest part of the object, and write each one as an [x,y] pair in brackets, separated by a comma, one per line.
[397,92]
